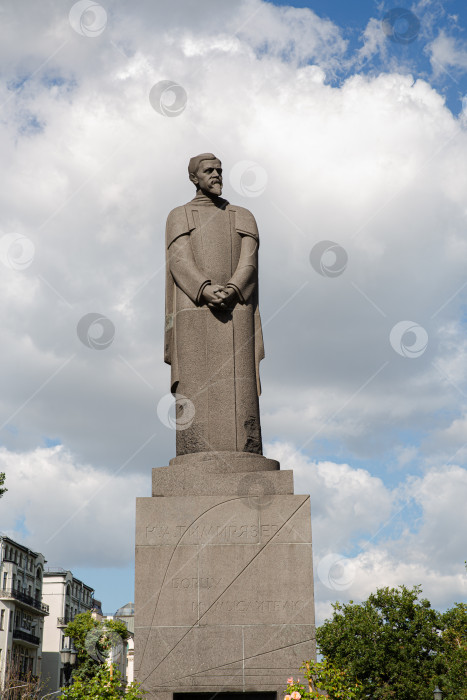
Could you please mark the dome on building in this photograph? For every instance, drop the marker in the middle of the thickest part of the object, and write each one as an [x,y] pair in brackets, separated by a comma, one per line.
[127,610]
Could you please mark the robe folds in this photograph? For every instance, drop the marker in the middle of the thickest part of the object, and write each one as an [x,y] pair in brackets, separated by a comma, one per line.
[214,354]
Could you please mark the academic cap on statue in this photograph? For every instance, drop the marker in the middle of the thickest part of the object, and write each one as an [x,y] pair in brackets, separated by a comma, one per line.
[193,165]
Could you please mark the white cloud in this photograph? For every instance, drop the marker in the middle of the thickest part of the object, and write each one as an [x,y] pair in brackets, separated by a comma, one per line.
[374,42]
[446,53]
[396,546]
[441,495]
[340,495]
[72,513]
[292,34]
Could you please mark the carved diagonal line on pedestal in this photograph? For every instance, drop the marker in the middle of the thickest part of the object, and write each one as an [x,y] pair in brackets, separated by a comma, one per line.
[306,498]
[201,515]
[253,656]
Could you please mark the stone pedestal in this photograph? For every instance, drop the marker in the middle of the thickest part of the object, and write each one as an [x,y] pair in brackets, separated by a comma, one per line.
[224,578]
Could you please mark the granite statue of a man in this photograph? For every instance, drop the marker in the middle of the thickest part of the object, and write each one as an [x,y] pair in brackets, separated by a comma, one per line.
[213,338]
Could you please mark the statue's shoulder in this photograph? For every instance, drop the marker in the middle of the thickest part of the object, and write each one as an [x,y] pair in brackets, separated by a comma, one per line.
[245,222]
[178,218]
[178,224]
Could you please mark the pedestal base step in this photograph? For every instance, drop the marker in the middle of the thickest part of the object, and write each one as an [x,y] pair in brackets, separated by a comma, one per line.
[225,462]
[177,481]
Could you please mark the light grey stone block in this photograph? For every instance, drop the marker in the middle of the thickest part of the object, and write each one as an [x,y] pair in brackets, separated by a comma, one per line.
[224,462]
[169,482]
[224,593]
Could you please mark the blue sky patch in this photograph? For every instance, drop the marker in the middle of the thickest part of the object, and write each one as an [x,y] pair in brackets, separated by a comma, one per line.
[407,34]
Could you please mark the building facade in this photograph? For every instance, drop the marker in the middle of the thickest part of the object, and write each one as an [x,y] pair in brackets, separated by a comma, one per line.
[66,597]
[121,654]
[22,612]
[126,614]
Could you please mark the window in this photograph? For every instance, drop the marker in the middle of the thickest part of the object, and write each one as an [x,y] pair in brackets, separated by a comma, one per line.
[5,576]
[2,618]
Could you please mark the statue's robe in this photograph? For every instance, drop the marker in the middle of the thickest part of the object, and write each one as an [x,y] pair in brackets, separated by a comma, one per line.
[214,354]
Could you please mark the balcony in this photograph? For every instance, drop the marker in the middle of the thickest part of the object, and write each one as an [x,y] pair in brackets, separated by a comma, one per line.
[27,599]
[26,637]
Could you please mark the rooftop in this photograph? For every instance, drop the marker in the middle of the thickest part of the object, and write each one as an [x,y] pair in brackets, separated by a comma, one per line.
[127,610]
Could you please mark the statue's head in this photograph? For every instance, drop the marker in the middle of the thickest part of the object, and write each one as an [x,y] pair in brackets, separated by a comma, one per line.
[205,171]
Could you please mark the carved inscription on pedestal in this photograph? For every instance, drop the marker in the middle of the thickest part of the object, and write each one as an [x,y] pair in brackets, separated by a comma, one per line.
[211,533]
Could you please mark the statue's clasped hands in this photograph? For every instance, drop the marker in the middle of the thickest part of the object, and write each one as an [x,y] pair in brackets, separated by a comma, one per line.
[218,297]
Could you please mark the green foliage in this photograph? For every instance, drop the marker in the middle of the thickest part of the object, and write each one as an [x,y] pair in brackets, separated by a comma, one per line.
[324,676]
[391,643]
[2,481]
[454,679]
[106,684]
[93,640]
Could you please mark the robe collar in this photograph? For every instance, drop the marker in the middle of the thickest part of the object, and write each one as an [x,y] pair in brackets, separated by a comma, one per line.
[205,201]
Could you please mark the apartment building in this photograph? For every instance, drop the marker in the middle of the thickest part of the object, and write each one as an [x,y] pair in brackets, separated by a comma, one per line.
[65,596]
[22,612]
[126,614]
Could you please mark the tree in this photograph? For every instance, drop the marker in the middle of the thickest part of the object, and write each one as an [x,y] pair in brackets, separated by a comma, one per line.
[19,685]
[391,643]
[93,640]
[324,676]
[106,684]
[2,481]
[454,680]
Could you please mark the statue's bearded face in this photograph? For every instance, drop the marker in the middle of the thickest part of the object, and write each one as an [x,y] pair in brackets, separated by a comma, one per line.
[208,177]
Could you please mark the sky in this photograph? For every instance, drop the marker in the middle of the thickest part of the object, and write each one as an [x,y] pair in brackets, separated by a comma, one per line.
[343,128]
